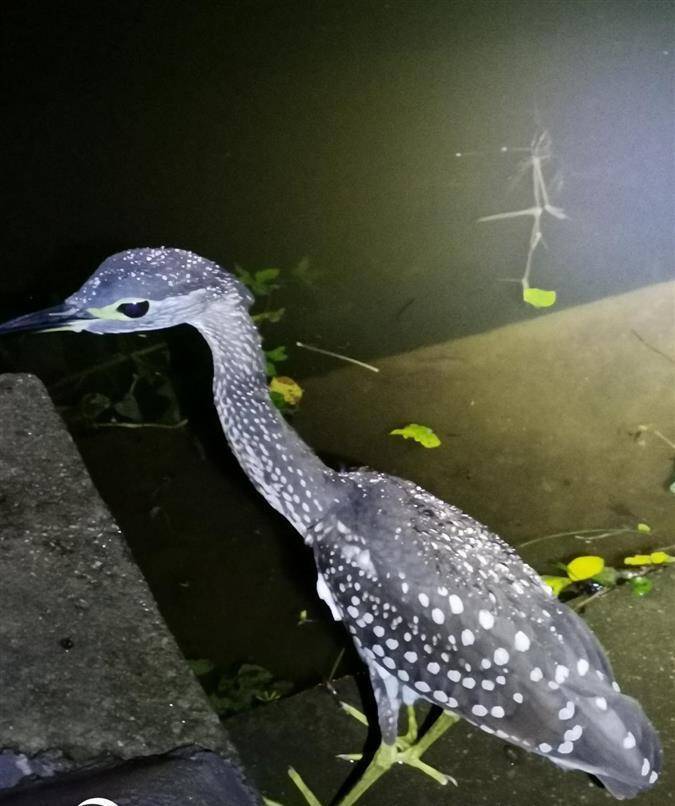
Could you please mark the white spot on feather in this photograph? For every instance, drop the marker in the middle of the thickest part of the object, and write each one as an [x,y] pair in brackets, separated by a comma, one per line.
[324,593]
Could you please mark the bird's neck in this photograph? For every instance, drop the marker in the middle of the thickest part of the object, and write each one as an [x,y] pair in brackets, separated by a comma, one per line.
[280,465]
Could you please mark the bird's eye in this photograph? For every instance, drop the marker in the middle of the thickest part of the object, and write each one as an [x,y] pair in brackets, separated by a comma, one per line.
[134,310]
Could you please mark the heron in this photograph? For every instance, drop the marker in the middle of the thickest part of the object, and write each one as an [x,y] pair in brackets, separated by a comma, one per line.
[439,608]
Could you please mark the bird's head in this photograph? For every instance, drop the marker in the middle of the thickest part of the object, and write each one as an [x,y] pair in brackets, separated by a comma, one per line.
[139,289]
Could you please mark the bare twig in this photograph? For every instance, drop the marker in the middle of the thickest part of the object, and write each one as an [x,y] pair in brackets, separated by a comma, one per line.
[587,535]
[167,426]
[336,355]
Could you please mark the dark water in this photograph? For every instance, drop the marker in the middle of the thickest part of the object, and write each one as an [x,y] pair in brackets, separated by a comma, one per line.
[264,132]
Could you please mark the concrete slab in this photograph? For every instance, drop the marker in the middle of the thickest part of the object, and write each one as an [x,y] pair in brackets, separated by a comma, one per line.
[88,669]
[538,420]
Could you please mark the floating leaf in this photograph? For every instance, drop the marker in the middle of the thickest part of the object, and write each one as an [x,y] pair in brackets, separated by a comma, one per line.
[584,567]
[641,585]
[420,433]
[645,528]
[289,390]
[556,584]
[539,297]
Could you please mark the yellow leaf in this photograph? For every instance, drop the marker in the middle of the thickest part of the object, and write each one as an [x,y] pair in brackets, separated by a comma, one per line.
[638,559]
[655,558]
[556,584]
[659,557]
[645,528]
[287,388]
[420,433]
[539,297]
[584,567]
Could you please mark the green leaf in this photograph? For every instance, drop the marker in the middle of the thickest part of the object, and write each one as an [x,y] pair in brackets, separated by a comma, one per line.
[607,577]
[261,283]
[304,273]
[264,282]
[641,585]
[277,354]
[279,401]
[422,434]
[201,666]
[272,357]
[269,316]
[245,276]
[539,297]
[645,528]
[93,404]
[128,407]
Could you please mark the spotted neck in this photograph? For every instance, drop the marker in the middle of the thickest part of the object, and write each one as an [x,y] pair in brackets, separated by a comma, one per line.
[281,466]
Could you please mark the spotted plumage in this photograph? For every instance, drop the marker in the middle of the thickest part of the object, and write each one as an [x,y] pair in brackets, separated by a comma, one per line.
[439,608]
[443,610]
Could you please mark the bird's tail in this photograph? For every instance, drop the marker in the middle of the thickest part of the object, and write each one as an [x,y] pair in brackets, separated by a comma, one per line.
[620,746]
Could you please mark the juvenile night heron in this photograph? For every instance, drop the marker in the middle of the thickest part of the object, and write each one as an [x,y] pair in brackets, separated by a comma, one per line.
[439,608]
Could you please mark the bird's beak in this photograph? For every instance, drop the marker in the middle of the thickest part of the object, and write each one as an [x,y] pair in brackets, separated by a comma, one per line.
[60,317]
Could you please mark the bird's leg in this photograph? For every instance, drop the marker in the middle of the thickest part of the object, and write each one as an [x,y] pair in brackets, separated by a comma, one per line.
[412,754]
[388,754]
[393,749]
[406,749]
[410,748]
[410,736]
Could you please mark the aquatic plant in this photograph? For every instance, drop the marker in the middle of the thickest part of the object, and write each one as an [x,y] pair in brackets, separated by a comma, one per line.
[261,282]
[603,578]
[245,688]
[274,357]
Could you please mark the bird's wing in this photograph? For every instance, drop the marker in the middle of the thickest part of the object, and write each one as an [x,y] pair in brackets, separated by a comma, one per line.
[434,599]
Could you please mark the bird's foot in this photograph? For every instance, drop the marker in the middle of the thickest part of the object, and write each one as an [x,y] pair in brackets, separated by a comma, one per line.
[408,748]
